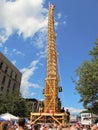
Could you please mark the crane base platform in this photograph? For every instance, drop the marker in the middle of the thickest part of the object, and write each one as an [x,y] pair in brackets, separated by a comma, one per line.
[59,118]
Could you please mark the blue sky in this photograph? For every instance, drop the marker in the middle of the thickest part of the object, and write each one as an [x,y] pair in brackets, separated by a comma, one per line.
[23,40]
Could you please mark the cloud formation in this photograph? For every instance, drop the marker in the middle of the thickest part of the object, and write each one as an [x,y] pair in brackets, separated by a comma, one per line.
[14,62]
[59,15]
[26,75]
[24,18]
[15,51]
[5,50]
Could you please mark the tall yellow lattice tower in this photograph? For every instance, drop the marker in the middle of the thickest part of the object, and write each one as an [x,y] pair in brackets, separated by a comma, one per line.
[51,82]
[51,112]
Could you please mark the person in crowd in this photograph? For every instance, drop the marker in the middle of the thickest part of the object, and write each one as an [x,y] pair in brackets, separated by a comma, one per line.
[54,126]
[95,127]
[7,126]
[35,127]
[68,115]
[21,124]
[4,126]
[48,126]
[42,126]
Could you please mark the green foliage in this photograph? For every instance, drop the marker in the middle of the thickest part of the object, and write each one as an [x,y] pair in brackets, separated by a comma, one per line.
[14,104]
[94,52]
[87,84]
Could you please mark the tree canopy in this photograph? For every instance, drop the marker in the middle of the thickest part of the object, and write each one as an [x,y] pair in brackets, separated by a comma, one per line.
[87,83]
[15,104]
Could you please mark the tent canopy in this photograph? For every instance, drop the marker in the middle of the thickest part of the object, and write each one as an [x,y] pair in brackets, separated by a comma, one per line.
[1,119]
[8,116]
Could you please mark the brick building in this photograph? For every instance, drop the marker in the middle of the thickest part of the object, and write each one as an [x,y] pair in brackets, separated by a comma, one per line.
[10,76]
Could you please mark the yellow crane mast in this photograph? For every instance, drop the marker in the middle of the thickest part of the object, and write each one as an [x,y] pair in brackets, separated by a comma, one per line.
[51,82]
[52,109]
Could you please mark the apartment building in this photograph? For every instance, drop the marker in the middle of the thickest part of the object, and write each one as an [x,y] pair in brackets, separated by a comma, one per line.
[10,76]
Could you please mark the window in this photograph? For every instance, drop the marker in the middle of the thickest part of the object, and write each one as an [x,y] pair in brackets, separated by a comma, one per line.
[15,76]
[7,90]
[3,81]
[6,68]
[9,83]
[14,87]
[1,63]
[11,73]
[2,88]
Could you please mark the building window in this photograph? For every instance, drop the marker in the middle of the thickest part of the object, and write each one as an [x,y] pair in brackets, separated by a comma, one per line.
[9,83]
[2,88]
[15,76]
[11,73]
[3,81]
[7,90]
[6,68]
[8,87]
[1,64]
[14,87]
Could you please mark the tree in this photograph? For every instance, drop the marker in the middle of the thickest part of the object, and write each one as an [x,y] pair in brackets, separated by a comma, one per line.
[14,104]
[87,84]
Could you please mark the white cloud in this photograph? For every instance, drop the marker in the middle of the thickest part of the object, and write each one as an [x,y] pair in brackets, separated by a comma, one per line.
[5,50]
[14,62]
[61,20]
[41,39]
[64,22]
[0,44]
[59,15]
[24,18]
[3,38]
[26,75]
[42,54]
[32,94]
[17,52]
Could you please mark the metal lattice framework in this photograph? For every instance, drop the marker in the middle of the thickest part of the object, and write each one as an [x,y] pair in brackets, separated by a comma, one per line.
[51,83]
[51,111]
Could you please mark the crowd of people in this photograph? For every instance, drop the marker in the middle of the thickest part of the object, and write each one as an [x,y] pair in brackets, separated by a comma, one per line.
[21,124]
